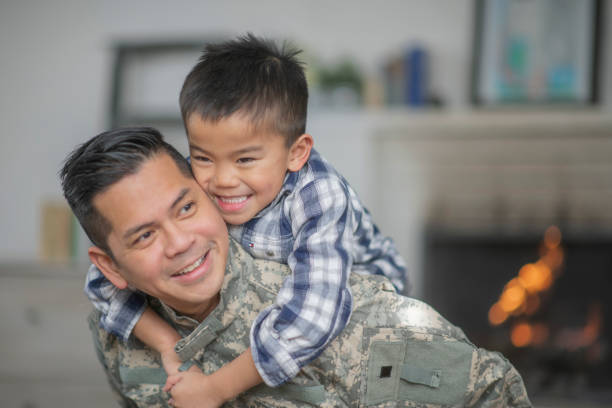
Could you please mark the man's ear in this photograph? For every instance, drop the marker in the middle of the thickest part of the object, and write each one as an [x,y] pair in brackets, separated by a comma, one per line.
[299,152]
[107,266]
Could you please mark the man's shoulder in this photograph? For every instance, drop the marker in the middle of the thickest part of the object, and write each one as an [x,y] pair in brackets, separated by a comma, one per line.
[260,274]
[377,304]
[102,338]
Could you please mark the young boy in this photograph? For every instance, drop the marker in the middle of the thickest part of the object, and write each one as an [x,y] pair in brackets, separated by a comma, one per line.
[244,108]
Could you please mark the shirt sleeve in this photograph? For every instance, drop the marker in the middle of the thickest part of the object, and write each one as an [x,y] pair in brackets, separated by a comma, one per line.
[376,254]
[120,308]
[314,303]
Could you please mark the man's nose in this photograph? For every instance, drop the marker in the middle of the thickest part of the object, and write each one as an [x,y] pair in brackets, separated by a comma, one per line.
[225,176]
[178,240]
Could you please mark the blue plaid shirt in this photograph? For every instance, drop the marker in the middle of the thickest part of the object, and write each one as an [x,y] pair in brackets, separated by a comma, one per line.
[317,226]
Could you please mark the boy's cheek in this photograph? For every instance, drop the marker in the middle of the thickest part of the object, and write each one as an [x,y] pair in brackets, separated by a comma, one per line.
[201,178]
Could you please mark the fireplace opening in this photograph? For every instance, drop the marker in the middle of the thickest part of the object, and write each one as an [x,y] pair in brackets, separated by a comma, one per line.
[543,300]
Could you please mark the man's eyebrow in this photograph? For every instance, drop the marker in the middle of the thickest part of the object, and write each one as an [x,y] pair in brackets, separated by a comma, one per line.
[136,229]
[181,195]
[140,227]
[248,149]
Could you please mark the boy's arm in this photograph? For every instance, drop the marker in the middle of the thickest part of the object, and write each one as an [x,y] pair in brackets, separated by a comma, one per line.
[314,304]
[236,377]
[156,333]
[198,390]
[124,311]
[120,308]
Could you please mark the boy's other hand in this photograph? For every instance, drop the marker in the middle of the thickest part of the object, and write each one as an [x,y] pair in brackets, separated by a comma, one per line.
[193,389]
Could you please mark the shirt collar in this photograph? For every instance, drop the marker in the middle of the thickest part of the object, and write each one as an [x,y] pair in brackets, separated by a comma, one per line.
[289,184]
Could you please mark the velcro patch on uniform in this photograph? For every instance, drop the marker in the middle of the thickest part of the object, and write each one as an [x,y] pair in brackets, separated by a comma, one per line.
[383,371]
[418,375]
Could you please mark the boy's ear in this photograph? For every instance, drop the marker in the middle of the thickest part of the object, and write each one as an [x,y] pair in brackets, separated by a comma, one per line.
[107,266]
[299,152]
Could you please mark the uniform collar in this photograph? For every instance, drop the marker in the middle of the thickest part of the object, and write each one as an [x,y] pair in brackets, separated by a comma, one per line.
[196,335]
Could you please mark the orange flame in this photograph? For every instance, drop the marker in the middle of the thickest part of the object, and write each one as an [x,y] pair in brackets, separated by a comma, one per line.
[497,315]
[512,298]
[521,335]
[520,295]
[552,237]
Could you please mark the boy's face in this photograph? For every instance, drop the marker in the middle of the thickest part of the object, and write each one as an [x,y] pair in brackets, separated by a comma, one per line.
[167,238]
[241,167]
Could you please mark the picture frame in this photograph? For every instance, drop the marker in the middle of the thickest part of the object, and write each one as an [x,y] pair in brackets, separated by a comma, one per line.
[147,79]
[536,52]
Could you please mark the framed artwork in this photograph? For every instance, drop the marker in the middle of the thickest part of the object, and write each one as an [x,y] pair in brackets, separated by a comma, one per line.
[147,79]
[536,52]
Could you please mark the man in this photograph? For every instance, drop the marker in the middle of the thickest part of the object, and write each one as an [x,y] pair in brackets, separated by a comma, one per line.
[155,230]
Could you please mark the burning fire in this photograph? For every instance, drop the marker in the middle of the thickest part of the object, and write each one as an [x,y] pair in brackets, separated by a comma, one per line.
[521,295]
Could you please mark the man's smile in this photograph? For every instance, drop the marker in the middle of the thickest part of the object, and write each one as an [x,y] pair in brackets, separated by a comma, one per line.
[194,270]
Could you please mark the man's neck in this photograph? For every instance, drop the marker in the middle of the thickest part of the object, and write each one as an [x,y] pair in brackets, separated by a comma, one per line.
[203,313]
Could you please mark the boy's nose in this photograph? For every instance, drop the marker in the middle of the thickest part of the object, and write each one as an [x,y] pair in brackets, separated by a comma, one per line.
[225,177]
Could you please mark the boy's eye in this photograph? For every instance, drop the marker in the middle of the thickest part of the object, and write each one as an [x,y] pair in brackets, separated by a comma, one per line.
[201,159]
[243,160]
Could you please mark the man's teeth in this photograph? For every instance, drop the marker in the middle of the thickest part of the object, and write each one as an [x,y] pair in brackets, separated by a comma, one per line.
[192,266]
[233,200]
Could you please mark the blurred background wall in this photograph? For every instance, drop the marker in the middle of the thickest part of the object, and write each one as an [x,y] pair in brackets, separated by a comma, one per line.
[56,81]
[57,65]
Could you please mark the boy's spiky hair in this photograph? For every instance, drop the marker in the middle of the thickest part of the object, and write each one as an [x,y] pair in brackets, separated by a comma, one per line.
[251,76]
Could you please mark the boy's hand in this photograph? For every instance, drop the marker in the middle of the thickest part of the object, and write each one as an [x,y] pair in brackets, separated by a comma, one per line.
[193,389]
[170,361]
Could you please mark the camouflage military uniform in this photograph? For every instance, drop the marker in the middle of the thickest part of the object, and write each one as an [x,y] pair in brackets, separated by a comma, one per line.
[395,351]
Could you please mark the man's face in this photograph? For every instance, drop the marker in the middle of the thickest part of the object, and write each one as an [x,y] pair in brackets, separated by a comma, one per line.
[167,238]
[241,167]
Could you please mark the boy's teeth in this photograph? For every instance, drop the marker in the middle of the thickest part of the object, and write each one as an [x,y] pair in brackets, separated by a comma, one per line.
[233,200]
[192,266]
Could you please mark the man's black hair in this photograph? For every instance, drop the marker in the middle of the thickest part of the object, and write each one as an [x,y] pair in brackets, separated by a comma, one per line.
[250,76]
[104,160]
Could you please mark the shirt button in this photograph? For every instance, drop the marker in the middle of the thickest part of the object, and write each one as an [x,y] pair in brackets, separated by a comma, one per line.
[269,253]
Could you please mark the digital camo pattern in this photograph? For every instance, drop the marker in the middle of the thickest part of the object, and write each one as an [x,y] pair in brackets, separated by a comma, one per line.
[395,351]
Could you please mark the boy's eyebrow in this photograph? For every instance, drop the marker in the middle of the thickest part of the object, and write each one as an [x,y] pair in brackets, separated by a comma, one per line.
[248,149]
[140,227]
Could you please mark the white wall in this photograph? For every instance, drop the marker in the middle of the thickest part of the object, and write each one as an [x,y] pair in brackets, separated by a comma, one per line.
[56,62]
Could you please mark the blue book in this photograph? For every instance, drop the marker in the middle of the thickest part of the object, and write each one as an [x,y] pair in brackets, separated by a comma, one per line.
[415,73]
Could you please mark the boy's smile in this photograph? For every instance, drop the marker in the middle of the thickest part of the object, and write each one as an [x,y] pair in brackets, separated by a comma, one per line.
[241,166]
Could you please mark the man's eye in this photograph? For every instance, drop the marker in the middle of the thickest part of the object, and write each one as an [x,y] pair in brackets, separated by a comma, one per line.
[143,237]
[244,160]
[187,208]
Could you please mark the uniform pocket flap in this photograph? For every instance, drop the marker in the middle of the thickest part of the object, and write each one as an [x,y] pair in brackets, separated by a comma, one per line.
[142,375]
[418,375]
[314,394]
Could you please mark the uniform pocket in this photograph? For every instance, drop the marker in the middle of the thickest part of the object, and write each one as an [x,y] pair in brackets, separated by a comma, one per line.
[143,385]
[425,369]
